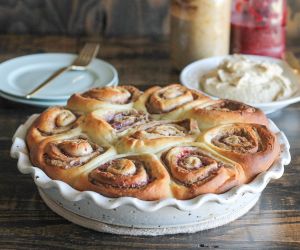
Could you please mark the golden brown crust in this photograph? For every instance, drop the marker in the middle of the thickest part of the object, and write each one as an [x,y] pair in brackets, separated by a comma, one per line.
[169,102]
[196,170]
[117,98]
[157,135]
[64,159]
[53,122]
[251,145]
[219,112]
[141,176]
[224,156]
[106,126]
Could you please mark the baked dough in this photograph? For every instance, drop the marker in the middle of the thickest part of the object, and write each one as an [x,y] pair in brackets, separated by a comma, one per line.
[66,158]
[53,122]
[154,136]
[165,142]
[252,145]
[195,170]
[169,102]
[213,113]
[109,98]
[140,176]
[106,126]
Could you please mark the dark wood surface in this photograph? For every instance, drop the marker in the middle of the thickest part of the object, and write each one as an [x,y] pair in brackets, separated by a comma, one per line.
[26,222]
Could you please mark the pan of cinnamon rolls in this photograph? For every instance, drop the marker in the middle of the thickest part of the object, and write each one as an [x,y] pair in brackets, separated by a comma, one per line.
[165,142]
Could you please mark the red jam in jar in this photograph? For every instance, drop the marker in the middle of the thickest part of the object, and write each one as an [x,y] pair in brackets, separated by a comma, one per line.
[258,27]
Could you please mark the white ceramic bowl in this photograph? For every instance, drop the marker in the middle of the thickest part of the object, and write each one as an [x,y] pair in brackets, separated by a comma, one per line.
[192,73]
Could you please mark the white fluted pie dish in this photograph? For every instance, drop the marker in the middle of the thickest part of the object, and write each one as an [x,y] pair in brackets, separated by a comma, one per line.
[129,215]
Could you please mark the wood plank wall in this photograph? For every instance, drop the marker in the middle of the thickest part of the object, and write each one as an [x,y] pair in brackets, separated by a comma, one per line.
[101,17]
[85,17]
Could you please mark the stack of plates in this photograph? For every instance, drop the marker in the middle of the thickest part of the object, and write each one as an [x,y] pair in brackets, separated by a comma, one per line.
[22,74]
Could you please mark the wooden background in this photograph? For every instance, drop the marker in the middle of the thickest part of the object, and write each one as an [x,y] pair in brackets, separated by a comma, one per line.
[85,17]
[101,17]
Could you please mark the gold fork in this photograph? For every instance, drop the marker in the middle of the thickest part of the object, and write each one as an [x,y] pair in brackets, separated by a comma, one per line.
[292,61]
[86,55]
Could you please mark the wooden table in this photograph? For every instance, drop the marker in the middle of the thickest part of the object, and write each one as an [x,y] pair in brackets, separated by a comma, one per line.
[26,222]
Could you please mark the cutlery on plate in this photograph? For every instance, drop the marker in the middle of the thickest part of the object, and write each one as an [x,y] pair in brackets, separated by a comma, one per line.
[86,55]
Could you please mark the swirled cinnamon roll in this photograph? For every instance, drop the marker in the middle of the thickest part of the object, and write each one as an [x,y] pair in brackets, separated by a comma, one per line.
[64,159]
[218,112]
[251,145]
[106,126]
[111,98]
[195,170]
[54,121]
[141,176]
[169,102]
[231,149]
[157,135]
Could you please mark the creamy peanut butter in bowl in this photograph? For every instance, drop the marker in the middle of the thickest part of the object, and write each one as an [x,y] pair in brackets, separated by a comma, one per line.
[263,82]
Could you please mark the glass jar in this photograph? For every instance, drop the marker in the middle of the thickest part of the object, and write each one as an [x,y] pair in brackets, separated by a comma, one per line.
[258,27]
[199,29]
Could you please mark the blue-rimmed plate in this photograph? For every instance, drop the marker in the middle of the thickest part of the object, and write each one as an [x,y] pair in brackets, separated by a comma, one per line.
[22,74]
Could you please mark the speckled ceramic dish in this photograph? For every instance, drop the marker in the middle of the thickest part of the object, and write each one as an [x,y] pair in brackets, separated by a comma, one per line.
[129,215]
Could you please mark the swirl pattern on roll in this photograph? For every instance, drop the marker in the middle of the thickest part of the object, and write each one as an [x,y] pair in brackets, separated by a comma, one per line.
[170,101]
[120,97]
[55,121]
[106,126]
[238,139]
[195,170]
[66,158]
[154,136]
[166,142]
[123,120]
[213,113]
[164,129]
[71,153]
[252,145]
[141,176]
[230,106]
[115,95]
[168,98]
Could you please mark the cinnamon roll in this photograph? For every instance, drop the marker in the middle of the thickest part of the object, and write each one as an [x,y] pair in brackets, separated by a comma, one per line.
[141,176]
[157,135]
[251,145]
[54,121]
[106,126]
[64,159]
[169,102]
[200,145]
[111,98]
[218,112]
[196,170]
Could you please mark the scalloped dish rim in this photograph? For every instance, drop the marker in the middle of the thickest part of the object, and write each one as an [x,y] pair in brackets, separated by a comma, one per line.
[20,152]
